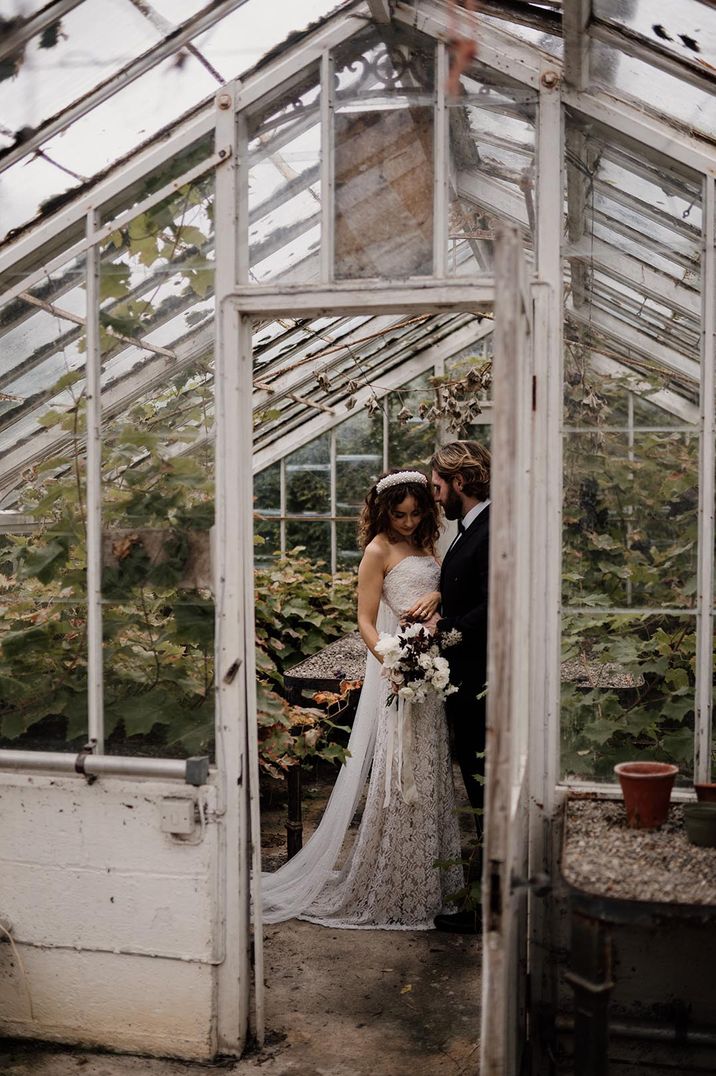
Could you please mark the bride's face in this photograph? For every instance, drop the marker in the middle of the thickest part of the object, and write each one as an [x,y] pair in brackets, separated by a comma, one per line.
[405,517]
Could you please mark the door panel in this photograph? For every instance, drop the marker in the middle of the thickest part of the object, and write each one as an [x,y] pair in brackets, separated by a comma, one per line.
[506,806]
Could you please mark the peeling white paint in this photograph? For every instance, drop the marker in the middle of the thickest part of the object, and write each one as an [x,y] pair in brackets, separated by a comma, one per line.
[114,921]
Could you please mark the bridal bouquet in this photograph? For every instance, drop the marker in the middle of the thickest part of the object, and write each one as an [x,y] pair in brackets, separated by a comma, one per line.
[414,664]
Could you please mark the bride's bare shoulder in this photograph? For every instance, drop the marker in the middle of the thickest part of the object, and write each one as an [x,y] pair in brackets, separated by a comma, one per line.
[377,549]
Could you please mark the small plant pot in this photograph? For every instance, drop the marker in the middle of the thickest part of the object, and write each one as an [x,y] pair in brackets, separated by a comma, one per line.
[705,791]
[700,821]
[646,787]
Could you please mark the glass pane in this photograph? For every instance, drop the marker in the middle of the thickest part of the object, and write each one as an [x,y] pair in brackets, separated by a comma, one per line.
[28,187]
[492,167]
[267,489]
[43,589]
[348,551]
[156,283]
[284,150]
[627,693]
[267,540]
[242,37]
[633,258]
[630,519]
[61,64]
[359,460]
[691,37]
[313,536]
[308,479]
[411,440]
[383,156]
[653,89]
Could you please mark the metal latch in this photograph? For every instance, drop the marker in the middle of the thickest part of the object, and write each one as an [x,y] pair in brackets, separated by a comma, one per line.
[540,884]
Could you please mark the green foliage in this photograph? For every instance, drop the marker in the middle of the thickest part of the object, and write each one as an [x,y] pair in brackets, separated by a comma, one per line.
[299,610]
[630,540]
[158,634]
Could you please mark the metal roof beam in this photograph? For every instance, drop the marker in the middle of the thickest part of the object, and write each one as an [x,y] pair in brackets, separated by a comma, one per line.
[636,274]
[403,372]
[575,23]
[116,398]
[658,355]
[666,399]
[380,11]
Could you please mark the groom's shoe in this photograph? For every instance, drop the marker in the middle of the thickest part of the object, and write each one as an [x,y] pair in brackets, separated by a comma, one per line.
[460,922]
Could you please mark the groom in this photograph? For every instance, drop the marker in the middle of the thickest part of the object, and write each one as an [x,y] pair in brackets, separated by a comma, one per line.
[461,481]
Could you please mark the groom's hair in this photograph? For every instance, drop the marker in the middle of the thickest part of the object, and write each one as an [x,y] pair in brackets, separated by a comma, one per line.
[466,458]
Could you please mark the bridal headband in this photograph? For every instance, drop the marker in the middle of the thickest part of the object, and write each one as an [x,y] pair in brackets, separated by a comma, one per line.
[400,478]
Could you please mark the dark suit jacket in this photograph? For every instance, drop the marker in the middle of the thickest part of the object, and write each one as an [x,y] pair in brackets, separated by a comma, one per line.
[463,587]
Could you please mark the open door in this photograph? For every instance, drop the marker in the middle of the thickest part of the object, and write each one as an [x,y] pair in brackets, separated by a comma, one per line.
[504,1004]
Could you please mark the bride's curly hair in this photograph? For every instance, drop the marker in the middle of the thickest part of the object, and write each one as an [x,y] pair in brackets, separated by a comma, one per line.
[375,517]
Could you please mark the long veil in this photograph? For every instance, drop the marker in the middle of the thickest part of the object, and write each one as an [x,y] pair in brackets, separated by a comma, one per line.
[289,891]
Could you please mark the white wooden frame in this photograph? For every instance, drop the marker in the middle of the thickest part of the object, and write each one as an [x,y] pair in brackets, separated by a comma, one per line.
[236,749]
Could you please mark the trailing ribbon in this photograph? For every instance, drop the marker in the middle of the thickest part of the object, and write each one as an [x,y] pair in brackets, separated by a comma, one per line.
[401,729]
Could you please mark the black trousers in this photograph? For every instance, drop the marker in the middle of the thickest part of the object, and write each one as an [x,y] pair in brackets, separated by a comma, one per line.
[466,717]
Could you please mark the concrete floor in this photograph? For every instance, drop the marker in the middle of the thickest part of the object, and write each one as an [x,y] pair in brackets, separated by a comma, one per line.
[339,1003]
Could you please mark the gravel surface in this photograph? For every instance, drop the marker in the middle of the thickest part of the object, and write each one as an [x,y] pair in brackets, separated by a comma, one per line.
[599,674]
[342,660]
[603,855]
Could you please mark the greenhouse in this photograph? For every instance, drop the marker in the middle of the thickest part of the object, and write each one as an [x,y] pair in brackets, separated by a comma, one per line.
[253,257]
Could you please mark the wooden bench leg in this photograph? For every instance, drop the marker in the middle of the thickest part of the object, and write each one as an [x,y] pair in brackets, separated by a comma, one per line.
[294,824]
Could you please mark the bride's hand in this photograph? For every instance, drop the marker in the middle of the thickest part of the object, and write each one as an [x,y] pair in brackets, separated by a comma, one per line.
[425,607]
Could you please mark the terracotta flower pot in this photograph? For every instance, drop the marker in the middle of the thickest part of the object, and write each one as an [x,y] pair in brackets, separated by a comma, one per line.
[705,791]
[646,787]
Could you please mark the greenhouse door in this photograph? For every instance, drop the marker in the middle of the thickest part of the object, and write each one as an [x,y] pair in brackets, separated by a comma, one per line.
[506,800]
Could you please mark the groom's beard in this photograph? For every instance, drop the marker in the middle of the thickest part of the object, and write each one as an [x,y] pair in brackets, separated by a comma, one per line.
[452,507]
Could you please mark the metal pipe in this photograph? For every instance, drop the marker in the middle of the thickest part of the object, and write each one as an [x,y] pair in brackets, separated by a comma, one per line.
[93,493]
[441,189]
[334,499]
[327,168]
[635,1029]
[193,771]
[705,561]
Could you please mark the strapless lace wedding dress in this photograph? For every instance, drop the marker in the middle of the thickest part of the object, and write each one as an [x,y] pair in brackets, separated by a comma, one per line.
[390,879]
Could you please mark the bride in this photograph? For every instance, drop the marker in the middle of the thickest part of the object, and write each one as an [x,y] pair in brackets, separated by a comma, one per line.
[390,878]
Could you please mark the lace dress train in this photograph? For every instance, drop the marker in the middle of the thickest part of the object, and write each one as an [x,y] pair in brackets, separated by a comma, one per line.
[392,877]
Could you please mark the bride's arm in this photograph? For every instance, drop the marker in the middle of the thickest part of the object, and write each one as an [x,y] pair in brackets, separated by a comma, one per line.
[370,588]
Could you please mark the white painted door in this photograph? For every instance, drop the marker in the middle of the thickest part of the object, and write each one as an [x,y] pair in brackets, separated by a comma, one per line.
[506,795]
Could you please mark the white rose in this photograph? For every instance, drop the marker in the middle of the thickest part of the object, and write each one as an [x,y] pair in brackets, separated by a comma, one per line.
[425,661]
[387,644]
[440,680]
[442,665]
[391,660]
[412,630]
[406,693]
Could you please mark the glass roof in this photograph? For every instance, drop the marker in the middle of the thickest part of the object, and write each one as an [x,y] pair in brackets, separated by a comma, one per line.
[80,102]
[93,57]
